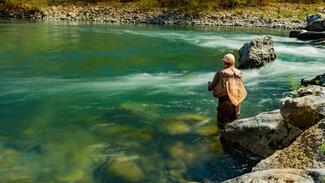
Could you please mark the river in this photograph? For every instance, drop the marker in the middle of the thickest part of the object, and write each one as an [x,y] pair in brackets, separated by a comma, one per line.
[88,103]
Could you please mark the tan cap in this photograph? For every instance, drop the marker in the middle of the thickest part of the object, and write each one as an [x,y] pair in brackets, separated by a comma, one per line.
[229,59]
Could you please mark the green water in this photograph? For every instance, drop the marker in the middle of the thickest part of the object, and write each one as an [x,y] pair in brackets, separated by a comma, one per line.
[86,103]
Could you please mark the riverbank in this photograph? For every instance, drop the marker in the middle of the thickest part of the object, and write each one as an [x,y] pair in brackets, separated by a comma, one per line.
[286,16]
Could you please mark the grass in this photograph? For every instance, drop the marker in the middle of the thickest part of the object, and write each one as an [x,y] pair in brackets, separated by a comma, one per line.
[297,9]
[293,83]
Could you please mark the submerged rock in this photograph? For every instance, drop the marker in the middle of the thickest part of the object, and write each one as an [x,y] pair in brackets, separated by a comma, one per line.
[316,22]
[262,134]
[305,152]
[318,80]
[256,53]
[121,169]
[279,176]
[303,112]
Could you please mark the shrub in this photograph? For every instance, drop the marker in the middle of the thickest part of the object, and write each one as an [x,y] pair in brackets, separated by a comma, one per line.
[26,4]
[147,4]
[293,83]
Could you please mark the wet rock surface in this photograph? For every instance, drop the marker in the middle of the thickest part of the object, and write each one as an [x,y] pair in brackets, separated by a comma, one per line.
[257,53]
[307,35]
[262,134]
[318,80]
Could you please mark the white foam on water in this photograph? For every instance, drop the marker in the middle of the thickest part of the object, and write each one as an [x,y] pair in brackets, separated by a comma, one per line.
[175,83]
[232,41]
[304,50]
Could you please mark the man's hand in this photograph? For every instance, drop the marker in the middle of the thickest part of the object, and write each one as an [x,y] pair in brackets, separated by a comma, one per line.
[209,82]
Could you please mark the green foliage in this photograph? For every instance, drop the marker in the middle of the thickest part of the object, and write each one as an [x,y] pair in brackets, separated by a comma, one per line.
[147,4]
[27,4]
[293,83]
[323,149]
[188,6]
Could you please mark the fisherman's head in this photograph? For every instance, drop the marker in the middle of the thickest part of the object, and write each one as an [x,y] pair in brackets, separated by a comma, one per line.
[229,60]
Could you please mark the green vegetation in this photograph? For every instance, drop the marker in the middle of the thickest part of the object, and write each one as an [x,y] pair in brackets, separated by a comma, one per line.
[297,9]
[187,5]
[293,83]
[323,149]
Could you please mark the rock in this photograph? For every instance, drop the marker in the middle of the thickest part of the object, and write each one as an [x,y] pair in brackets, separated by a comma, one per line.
[303,112]
[120,170]
[307,35]
[279,176]
[316,22]
[305,152]
[262,134]
[311,90]
[318,80]
[256,53]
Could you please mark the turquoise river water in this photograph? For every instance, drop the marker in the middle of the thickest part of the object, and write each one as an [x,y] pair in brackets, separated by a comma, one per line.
[97,103]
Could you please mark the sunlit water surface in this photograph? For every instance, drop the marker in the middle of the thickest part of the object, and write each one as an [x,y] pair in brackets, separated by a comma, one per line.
[119,103]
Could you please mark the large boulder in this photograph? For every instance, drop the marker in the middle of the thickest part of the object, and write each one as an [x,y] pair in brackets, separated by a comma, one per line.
[280,176]
[318,80]
[303,112]
[316,22]
[262,134]
[256,53]
[307,35]
[307,151]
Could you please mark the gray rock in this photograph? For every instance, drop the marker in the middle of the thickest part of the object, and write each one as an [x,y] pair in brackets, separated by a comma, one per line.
[262,134]
[305,152]
[303,112]
[316,22]
[318,80]
[279,176]
[311,90]
[256,53]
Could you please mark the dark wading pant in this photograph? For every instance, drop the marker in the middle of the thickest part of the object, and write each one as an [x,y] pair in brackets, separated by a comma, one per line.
[226,111]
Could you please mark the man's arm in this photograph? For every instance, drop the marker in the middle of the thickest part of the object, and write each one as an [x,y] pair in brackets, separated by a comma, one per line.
[214,82]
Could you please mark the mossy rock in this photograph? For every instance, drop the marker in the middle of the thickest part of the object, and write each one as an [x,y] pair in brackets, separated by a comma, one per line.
[120,170]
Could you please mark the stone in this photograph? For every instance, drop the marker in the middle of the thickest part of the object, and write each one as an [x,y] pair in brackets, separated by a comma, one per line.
[305,152]
[120,170]
[307,35]
[262,134]
[256,53]
[316,22]
[311,90]
[318,80]
[303,112]
[279,176]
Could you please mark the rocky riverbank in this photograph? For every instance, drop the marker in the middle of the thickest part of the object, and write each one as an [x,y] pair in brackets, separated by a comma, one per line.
[131,13]
[290,139]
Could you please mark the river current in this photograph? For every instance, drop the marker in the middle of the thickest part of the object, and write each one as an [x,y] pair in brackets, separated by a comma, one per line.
[88,103]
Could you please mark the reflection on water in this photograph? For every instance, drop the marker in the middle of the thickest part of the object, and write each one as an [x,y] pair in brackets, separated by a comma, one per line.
[117,103]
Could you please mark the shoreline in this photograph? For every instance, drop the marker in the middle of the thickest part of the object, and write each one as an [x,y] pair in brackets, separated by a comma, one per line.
[131,14]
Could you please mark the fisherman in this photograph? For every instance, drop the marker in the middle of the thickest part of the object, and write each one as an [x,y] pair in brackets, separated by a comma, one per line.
[228,87]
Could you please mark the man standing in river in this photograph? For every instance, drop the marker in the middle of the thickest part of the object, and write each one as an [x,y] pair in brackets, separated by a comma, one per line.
[227,86]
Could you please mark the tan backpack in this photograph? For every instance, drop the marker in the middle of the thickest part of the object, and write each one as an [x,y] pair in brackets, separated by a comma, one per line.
[233,86]
[235,89]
